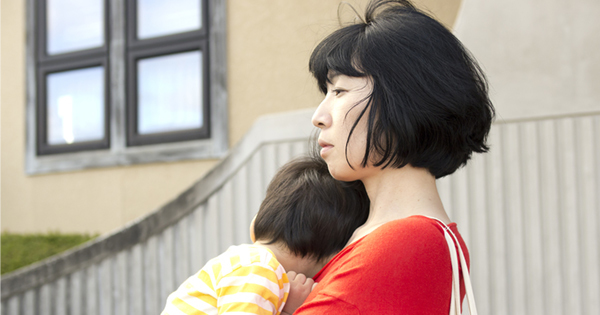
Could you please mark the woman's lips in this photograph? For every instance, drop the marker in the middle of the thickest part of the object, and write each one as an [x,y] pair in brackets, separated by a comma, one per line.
[325,147]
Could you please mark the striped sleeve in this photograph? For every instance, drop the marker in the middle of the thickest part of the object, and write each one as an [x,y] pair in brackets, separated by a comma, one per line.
[243,280]
[258,288]
[194,297]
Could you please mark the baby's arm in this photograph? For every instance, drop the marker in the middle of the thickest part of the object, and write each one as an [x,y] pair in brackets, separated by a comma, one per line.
[252,289]
[300,288]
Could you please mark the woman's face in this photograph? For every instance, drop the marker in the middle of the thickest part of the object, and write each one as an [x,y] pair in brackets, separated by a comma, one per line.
[345,99]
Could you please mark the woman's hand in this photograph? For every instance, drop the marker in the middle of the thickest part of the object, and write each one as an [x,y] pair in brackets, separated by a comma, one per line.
[300,287]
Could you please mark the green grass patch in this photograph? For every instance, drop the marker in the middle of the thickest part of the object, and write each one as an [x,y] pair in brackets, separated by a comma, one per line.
[20,250]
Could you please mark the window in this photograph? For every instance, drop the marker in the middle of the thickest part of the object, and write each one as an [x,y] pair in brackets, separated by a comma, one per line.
[117,82]
[72,108]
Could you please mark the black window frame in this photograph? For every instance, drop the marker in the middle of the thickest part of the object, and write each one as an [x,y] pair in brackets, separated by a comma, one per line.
[161,46]
[80,59]
[116,150]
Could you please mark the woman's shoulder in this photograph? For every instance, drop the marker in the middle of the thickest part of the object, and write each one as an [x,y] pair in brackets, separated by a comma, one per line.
[397,238]
[407,230]
[411,251]
[406,241]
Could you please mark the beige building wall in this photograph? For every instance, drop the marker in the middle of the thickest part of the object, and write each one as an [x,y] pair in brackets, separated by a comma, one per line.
[269,43]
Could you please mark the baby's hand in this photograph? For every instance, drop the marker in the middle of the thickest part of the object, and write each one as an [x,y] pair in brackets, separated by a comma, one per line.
[300,287]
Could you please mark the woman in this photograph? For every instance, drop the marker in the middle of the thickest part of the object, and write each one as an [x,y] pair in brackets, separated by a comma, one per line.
[404,104]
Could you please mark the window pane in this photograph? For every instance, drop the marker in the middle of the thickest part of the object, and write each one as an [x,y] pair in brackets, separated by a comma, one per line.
[166,17]
[75,101]
[170,93]
[74,25]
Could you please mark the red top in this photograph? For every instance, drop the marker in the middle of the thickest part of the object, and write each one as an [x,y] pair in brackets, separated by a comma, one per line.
[402,267]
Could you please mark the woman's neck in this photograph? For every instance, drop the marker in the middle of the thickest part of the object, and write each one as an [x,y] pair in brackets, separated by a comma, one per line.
[400,193]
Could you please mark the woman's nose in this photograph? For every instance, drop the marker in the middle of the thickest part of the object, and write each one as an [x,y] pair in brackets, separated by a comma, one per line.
[321,118]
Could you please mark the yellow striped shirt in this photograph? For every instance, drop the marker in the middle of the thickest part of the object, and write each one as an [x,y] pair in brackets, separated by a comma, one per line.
[246,279]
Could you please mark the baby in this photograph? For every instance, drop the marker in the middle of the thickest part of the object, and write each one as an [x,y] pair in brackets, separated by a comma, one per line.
[305,219]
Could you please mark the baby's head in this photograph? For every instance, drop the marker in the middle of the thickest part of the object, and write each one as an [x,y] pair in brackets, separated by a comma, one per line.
[308,212]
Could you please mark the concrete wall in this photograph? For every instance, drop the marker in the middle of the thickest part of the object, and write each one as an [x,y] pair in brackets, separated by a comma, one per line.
[268,48]
[541,57]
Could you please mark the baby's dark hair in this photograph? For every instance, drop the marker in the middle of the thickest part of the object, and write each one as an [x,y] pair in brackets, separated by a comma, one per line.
[429,106]
[309,211]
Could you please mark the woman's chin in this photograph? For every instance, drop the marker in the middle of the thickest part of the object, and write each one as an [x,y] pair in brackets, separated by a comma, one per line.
[344,174]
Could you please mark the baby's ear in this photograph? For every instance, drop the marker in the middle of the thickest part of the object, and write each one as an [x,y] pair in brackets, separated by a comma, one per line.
[252,237]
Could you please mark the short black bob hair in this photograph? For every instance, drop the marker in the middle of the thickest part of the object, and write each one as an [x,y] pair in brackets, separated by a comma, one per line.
[309,211]
[429,106]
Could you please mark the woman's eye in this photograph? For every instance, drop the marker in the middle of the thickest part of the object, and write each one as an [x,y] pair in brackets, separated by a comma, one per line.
[337,92]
